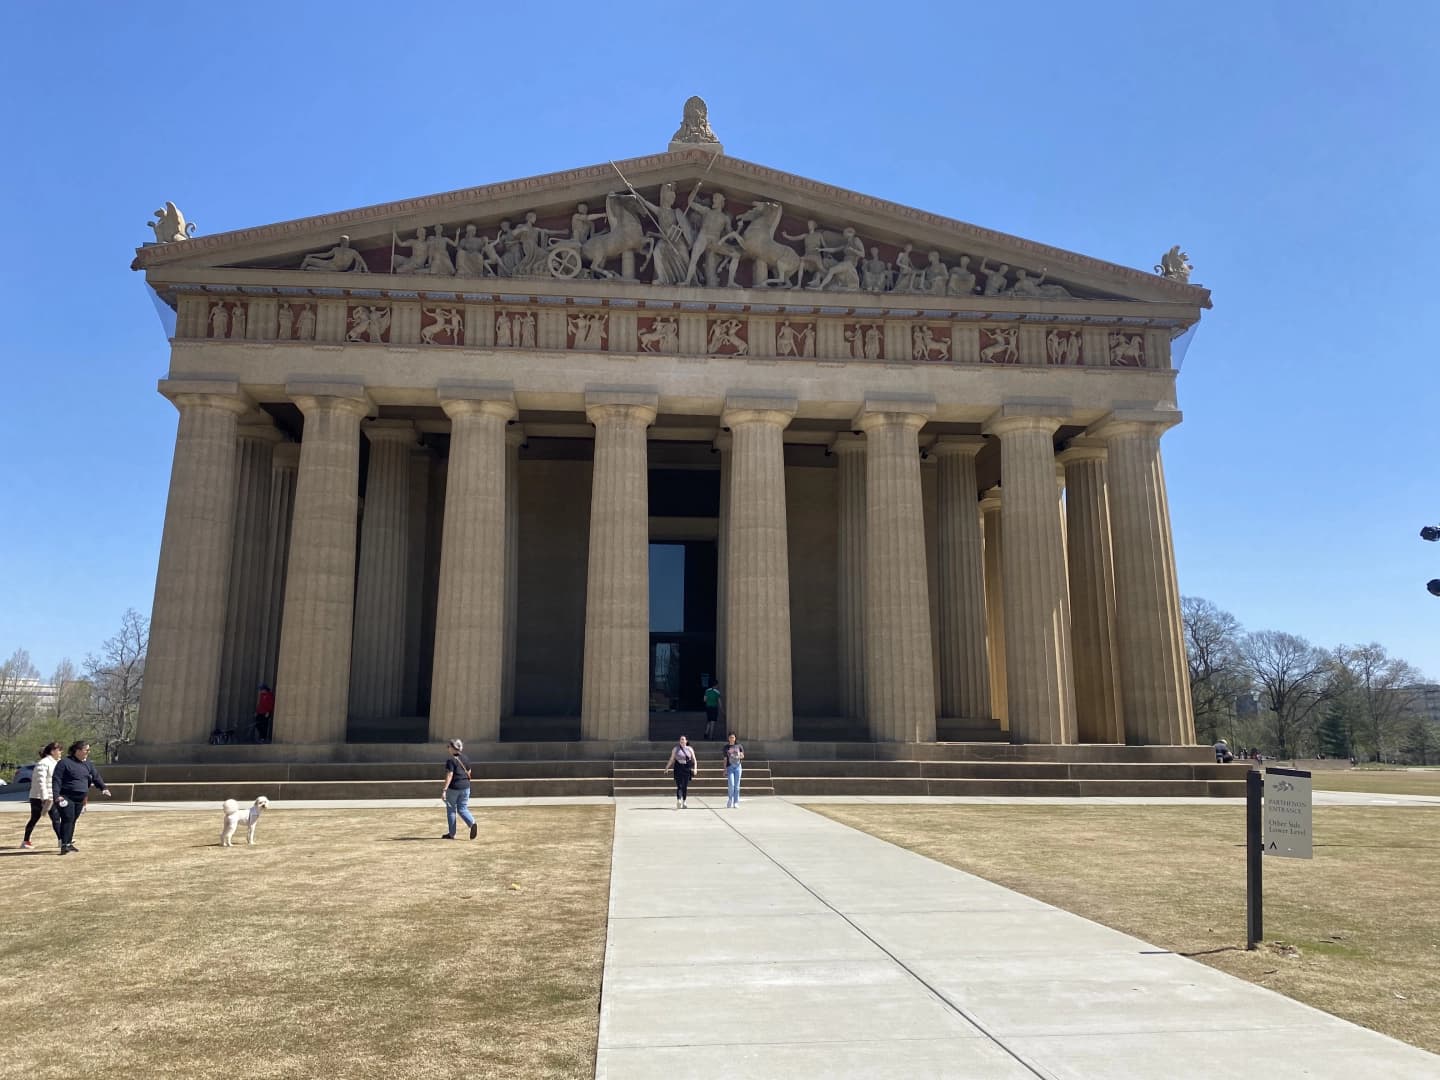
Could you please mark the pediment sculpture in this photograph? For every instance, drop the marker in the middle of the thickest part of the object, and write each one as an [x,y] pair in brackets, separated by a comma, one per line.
[700,239]
[170,225]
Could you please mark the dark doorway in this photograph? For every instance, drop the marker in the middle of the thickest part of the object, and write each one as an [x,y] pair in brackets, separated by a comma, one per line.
[682,623]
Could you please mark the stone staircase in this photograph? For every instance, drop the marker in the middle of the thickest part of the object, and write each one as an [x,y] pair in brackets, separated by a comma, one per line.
[642,772]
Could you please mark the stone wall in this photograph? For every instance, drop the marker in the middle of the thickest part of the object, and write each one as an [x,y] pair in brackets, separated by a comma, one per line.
[810,508]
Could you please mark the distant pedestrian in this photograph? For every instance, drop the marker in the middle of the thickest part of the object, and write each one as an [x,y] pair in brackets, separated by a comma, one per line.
[456,791]
[682,761]
[712,708]
[264,713]
[74,777]
[734,755]
[1223,753]
[42,795]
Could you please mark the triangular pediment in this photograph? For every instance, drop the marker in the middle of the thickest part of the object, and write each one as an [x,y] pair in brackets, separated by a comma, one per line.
[641,224]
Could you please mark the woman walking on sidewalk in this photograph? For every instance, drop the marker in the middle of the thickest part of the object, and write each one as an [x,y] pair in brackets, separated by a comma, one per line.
[456,791]
[74,777]
[682,760]
[42,795]
[734,754]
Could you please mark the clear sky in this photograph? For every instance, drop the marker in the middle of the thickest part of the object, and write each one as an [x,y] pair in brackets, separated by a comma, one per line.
[1290,148]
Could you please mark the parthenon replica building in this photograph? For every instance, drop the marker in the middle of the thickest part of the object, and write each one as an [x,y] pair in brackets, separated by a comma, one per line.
[541,458]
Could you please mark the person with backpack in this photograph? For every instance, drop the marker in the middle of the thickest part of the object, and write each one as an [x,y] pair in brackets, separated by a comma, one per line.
[682,761]
[712,708]
[456,790]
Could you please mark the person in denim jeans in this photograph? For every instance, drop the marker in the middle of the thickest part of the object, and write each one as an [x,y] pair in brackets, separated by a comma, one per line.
[734,754]
[456,790]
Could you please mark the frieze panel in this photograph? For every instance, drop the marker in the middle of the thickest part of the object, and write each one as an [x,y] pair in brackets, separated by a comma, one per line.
[727,337]
[1064,347]
[515,329]
[1127,350]
[929,343]
[659,334]
[998,345]
[795,339]
[367,323]
[587,330]
[442,326]
[866,340]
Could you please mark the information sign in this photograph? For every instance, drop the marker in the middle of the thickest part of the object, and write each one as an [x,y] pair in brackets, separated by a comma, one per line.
[1287,813]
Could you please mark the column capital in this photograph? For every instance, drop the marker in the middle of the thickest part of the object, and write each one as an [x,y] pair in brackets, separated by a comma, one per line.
[260,429]
[632,403]
[348,397]
[515,435]
[957,446]
[1083,448]
[742,407]
[1028,414]
[389,430]
[1131,421]
[883,410]
[286,455]
[477,399]
[847,442]
[990,499]
[724,442]
[211,393]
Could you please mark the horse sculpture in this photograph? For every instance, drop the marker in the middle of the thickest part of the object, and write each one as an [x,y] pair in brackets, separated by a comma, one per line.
[625,237]
[757,241]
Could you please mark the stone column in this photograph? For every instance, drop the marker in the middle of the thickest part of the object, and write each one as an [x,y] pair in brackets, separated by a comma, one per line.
[899,656]
[187,622]
[995,605]
[312,686]
[241,663]
[964,665]
[466,687]
[1154,679]
[284,468]
[849,451]
[724,446]
[757,626]
[514,439]
[1040,690]
[377,659]
[614,695]
[1092,593]
[416,547]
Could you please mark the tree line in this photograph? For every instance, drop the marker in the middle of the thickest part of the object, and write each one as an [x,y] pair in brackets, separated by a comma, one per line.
[1276,692]
[99,701]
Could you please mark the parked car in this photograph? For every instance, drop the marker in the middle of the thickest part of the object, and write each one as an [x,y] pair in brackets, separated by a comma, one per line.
[22,777]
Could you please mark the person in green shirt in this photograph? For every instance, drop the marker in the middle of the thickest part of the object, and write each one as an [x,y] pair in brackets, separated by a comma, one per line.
[712,708]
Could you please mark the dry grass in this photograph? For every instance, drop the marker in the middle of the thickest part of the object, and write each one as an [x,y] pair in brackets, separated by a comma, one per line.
[345,944]
[1381,781]
[1355,931]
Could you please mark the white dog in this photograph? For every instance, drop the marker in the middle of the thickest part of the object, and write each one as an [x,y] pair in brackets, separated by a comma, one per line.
[234,816]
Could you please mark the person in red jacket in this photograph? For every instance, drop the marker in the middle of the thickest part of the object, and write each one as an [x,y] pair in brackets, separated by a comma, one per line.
[264,713]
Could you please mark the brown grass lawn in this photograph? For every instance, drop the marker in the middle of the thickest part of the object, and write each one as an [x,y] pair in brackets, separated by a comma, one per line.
[1355,931]
[1381,781]
[345,944]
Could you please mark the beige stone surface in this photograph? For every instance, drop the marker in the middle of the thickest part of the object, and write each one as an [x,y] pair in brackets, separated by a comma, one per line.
[757,622]
[849,451]
[514,438]
[614,701]
[313,680]
[187,623]
[995,605]
[284,470]
[466,694]
[899,654]
[417,543]
[810,496]
[964,662]
[724,447]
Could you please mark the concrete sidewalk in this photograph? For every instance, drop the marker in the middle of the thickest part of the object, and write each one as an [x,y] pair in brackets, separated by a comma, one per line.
[770,942]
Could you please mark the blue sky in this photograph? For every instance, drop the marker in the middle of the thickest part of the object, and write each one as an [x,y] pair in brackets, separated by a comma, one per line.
[1289,148]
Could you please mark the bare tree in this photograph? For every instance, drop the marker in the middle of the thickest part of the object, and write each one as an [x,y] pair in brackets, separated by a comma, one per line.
[1217,677]
[1289,673]
[72,703]
[116,676]
[18,682]
[1385,690]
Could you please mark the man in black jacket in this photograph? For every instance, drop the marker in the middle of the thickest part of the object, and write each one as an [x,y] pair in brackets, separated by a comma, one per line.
[74,777]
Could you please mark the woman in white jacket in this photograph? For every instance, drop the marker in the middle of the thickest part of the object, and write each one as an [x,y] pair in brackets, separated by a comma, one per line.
[41,795]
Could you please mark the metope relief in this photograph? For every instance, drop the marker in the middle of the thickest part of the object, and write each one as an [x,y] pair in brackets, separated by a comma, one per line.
[659,334]
[515,329]
[795,339]
[929,343]
[998,345]
[442,326]
[368,324]
[727,337]
[1063,347]
[295,322]
[587,330]
[227,320]
[866,341]
[1127,350]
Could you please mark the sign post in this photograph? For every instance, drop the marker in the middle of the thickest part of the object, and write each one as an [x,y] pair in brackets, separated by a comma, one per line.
[1254,849]
[1277,822]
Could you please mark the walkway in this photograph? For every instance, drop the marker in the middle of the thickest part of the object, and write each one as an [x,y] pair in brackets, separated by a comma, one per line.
[771,942]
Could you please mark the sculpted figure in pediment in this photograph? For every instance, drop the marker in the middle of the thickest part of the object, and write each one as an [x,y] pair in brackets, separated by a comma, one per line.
[341,258]
[475,255]
[962,280]
[994,279]
[815,245]
[170,225]
[437,253]
[714,223]
[845,274]
[1036,287]
[625,237]
[875,273]
[415,262]
[937,276]
[904,270]
[671,249]
[755,239]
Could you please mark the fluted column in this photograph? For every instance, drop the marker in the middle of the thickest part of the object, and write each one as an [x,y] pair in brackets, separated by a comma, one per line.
[723,446]
[995,606]
[849,450]
[187,622]
[312,685]
[614,695]
[757,652]
[899,657]
[418,523]
[1041,693]
[377,657]
[1092,593]
[284,468]
[514,439]
[1154,679]
[964,665]
[241,664]
[466,687]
